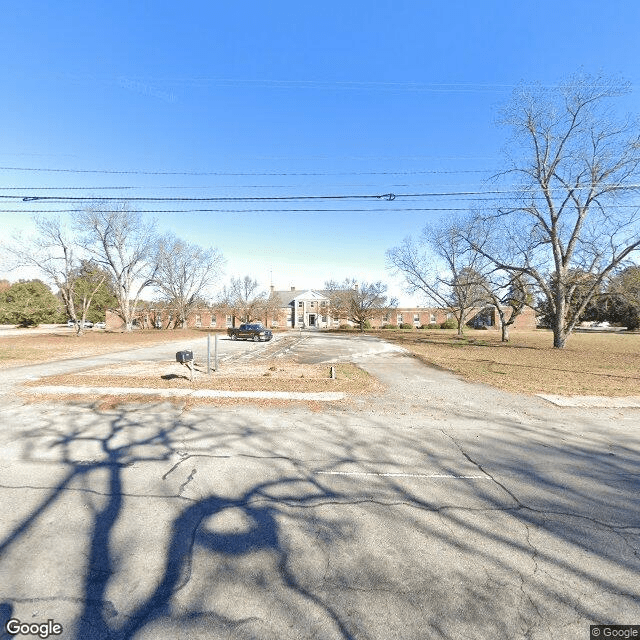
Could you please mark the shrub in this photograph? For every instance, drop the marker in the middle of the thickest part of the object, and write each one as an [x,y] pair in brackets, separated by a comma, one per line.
[449,324]
[366,325]
[389,326]
[345,327]
[430,326]
[406,325]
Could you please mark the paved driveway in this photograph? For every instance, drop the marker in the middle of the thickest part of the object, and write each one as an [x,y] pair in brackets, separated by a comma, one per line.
[439,509]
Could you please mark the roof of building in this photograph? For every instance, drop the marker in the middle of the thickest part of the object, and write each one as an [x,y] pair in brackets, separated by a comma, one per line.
[288,296]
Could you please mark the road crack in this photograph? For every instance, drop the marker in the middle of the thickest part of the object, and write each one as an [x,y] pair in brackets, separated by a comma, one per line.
[187,481]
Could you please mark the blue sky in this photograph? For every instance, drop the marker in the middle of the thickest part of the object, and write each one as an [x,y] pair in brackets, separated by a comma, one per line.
[364,98]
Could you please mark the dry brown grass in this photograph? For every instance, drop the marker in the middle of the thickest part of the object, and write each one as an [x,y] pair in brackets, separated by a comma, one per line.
[58,345]
[604,364]
[269,375]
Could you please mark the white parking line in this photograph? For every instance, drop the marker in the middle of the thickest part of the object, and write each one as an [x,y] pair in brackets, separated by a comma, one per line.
[402,475]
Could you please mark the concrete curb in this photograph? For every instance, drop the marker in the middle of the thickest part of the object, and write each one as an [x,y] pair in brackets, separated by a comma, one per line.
[601,402]
[323,396]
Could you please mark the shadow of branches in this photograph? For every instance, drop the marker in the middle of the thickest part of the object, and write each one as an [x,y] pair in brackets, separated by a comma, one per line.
[241,524]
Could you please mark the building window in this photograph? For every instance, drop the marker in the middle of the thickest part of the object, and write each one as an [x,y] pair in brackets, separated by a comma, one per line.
[229,321]
[312,304]
[387,317]
[300,304]
[400,319]
[198,321]
[324,318]
[300,319]
[323,303]
[213,321]
[416,318]
[432,318]
[449,316]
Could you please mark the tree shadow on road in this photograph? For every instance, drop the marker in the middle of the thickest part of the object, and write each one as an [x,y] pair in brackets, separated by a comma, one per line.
[218,525]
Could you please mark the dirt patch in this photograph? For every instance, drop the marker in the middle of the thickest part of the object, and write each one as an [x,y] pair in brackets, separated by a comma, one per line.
[590,364]
[109,402]
[270,375]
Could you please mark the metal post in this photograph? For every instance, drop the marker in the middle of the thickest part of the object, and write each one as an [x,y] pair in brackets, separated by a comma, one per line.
[208,353]
[215,354]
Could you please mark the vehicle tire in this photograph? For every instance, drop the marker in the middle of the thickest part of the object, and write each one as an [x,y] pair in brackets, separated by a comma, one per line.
[234,336]
[256,338]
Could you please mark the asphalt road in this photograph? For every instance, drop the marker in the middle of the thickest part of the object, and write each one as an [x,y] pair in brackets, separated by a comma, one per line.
[438,509]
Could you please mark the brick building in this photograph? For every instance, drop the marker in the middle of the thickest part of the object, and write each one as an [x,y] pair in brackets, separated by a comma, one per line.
[309,308]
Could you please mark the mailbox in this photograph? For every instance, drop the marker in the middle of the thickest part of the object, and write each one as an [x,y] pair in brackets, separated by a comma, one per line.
[184,356]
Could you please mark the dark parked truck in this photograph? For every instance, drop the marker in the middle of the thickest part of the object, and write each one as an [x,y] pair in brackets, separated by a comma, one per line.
[255,332]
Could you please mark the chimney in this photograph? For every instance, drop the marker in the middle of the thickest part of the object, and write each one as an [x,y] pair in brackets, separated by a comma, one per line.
[355,286]
[293,288]
[272,288]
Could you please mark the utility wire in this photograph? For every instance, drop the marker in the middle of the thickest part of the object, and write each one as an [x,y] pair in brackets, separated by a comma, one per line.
[462,195]
[228,173]
[386,196]
[344,210]
[348,210]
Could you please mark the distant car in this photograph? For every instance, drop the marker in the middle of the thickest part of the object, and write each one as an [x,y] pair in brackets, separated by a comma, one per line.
[87,324]
[100,325]
[256,332]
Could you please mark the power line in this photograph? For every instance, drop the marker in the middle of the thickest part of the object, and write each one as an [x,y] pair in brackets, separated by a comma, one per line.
[386,196]
[343,210]
[228,186]
[253,210]
[229,173]
[462,195]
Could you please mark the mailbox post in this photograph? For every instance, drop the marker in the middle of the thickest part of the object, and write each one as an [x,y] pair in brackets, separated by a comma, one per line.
[186,358]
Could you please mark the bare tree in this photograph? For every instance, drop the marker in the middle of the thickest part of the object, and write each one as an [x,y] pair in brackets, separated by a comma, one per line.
[271,307]
[576,168]
[244,300]
[124,243]
[509,294]
[184,273]
[358,302]
[444,269]
[54,251]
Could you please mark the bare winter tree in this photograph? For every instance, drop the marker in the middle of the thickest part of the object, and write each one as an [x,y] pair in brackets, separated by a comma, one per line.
[124,243]
[444,269]
[576,168]
[54,251]
[244,300]
[358,302]
[184,273]
[510,294]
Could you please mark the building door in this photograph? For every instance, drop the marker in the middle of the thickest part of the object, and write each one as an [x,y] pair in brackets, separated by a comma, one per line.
[312,319]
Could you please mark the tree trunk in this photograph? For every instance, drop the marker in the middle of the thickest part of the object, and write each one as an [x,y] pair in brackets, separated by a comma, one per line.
[505,332]
[559,339]
[560,334]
